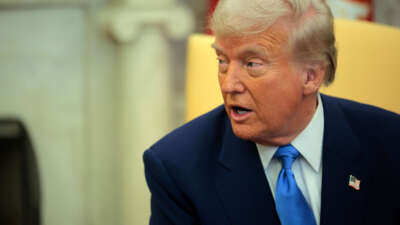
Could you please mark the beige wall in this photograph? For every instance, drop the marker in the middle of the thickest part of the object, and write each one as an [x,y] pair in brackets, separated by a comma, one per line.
[42,78]
[57,75]
[60,72]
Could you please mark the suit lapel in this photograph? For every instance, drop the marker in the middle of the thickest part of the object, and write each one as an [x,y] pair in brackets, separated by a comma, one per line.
[342,156]
[241,183]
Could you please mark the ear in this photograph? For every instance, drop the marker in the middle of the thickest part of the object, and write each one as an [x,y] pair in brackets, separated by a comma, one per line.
[313,77]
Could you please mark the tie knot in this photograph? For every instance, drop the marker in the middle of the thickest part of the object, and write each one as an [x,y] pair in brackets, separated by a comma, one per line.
[287,154]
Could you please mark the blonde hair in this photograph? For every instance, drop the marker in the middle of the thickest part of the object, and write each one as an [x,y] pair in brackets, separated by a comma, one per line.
[312,38]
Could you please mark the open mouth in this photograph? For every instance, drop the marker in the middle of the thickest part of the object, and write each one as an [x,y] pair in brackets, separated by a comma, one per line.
[240,110]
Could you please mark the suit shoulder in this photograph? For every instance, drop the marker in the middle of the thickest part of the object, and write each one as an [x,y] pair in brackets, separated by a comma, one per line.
[367,116]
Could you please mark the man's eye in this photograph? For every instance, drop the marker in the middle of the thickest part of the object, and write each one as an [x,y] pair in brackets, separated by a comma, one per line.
[253,64]
[222,65]
[221,61]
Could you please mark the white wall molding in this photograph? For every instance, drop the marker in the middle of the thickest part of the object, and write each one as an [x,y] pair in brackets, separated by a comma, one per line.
[144,31]
[125,24]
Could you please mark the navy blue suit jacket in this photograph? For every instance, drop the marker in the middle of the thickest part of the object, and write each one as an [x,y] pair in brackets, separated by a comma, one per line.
[201,173]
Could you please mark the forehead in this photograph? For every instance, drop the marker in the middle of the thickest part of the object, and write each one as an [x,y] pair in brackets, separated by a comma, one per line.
[270,41]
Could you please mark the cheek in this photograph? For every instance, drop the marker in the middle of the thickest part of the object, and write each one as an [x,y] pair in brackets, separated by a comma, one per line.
[220,81]
[267,99]
[266,90]
[275,96]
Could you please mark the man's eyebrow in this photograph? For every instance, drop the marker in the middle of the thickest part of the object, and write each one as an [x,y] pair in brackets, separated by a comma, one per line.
[214,46]
[254,51]
[246,51]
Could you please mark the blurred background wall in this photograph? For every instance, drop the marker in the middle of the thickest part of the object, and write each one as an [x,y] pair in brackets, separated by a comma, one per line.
[96,82]
[57,74]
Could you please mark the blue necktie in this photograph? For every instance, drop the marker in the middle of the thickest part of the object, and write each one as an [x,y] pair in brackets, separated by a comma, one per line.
[290,203]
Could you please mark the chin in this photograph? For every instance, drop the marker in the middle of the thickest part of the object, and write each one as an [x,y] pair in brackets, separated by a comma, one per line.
[258,136]
[244,132]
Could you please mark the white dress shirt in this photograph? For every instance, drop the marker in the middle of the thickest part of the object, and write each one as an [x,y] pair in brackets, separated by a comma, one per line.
[307,168]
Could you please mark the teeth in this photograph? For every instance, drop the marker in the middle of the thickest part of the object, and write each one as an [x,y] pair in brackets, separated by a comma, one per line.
[241,112]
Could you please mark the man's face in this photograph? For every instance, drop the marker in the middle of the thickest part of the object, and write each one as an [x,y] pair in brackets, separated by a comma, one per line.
[261,86]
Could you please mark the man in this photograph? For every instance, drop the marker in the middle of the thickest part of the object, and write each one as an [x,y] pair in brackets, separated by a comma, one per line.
[277,152]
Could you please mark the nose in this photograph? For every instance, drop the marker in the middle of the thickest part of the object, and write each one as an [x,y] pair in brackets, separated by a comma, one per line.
[231,82]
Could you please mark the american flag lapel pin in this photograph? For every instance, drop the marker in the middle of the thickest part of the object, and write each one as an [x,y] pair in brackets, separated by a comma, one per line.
[354,182]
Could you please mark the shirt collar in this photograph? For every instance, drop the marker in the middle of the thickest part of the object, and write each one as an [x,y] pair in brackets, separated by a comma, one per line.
[308,142]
